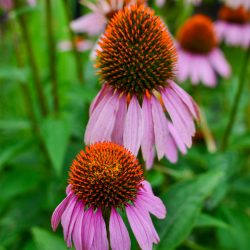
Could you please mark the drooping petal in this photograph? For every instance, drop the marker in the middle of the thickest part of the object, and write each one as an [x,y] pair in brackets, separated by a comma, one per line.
[100,241]
[142,211]
[133,128]
[77,232]
[160,127]
[119,237]
[101,125]
[140,228]
[177,120]
[68,218]
[171,151]
[57,214]
[147,144]
[219,63]
[206,72]
[151,202]
[92,23]
[186,98]
[194,70]
[184,66]
[88,228]
[181,109]
[99,97]
[117,134]
[178,141]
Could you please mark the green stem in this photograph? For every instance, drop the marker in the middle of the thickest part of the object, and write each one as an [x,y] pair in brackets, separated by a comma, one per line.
[52,56]
[77,56]
[236,103]
[32,61]
[106,215]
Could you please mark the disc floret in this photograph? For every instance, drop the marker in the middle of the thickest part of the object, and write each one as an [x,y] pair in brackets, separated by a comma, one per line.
[105,175]
[136,52]
[197,35]
[239,15]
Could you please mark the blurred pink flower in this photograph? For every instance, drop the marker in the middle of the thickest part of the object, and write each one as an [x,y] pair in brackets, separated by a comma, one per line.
[233,26]
[136,68]
[8,4]
[95,22]
[237,3]
[199,58]
[161,3]
[104,179]
[81,45]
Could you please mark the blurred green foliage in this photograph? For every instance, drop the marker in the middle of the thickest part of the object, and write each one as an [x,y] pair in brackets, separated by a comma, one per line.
[207,194]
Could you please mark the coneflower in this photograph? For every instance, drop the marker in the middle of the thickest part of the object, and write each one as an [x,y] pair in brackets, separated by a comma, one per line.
[233,26]
[95,22]
[199,56]
[104,181]
[136,62]
[238,3]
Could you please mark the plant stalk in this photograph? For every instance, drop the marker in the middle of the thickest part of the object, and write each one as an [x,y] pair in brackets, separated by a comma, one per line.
[32,61]
[77,56]
[52,56]
[232,118]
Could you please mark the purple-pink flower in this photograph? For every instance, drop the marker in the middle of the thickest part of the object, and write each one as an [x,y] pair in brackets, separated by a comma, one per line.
[95,22]
[238,3]
[233,26]
[199,58]
[139,106]
[104,181]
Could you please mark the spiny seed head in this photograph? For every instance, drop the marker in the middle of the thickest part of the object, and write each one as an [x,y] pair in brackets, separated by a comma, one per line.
[197,34]
[239,15]
[105,175]
[136,52]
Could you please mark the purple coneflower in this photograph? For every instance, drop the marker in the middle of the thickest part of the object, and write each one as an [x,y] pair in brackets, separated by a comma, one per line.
[104,180]
[95,22]
[238,3]
[8,4]
[161,3]
[136,61]
[81,45]
[199,57]
[233,26]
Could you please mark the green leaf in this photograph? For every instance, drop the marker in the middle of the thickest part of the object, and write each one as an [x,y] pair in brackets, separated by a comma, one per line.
[18,181]
[184,203]
[46,240]
[205,220]
[56,134]
[237,238]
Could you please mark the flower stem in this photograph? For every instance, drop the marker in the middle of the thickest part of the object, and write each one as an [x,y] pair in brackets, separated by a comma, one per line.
[77,56]
[236,103]
[32,61]
[52,56]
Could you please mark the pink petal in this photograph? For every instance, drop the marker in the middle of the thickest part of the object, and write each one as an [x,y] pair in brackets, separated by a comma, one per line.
[133,129]
[77,232]
[177,120]
[181,109]
[194,70]
[117,134]
[102,129]
[92,23]
[57,214]
[140,228]
[184,66]
[151,202]
[171,151]
[142,211]
[207,75]
[160,127]
[178,141]
[100,241]
[99,97]
[160,3]
[186,98]
[68,217]
[119,237]
[88,228]
[219,63]
[147,144]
